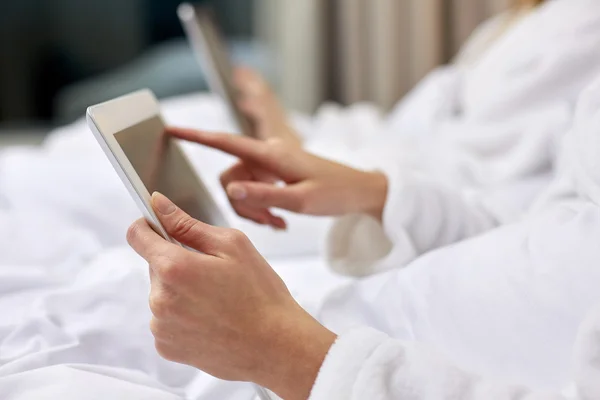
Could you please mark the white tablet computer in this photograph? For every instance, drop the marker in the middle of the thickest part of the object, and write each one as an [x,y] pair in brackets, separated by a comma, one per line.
[131,132]
[210,51]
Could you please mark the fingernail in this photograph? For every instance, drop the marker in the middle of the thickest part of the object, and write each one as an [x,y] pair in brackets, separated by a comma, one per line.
[237,192]
[163,205]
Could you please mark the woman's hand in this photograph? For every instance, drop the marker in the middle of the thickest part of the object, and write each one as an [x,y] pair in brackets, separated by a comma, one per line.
[223,309]
[258,102]
[277,174]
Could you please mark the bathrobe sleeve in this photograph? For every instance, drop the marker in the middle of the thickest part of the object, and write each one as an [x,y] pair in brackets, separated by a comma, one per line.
[366,364]
[421,214]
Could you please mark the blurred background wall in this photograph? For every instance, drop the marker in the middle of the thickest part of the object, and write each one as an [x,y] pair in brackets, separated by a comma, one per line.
[59,56]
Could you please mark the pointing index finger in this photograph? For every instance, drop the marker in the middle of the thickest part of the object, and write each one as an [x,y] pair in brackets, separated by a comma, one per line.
[249,149]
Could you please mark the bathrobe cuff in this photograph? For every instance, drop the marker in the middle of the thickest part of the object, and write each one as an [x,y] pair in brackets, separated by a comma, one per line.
[359,245]
[421,214]
[344,364]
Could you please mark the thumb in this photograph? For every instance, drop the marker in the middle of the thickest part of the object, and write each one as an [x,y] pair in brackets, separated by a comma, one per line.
[183,228]
[266,195]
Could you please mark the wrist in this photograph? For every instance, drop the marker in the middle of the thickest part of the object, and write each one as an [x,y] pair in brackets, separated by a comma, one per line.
[373,192]
[294,356]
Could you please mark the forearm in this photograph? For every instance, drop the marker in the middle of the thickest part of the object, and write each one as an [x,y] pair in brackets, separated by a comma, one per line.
[293,355]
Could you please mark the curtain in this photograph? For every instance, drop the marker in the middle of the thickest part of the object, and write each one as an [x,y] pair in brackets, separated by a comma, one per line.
[387,46]
[367,50]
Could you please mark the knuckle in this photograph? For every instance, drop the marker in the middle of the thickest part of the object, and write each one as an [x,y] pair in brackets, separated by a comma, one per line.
[133,232]
[264,151]
[302,205]
[235,238]
[156,328]
[184,226]
[171,272]
[263,197]
[300,201]
[278,146]
[160,306]
[165,351]
[277,150]
[258,195]
[168,269]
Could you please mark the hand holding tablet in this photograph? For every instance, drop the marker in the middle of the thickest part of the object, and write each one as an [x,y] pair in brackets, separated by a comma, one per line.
[253,105]
[206,43]
[132,134]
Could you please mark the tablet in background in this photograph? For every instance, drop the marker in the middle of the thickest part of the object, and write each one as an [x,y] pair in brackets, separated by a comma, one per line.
[205,39]
[131,132]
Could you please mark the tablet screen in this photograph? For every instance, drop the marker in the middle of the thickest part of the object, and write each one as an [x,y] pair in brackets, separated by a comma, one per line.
[162,167]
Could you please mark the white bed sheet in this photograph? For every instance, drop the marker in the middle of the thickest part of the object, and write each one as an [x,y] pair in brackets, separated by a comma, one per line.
[65,317]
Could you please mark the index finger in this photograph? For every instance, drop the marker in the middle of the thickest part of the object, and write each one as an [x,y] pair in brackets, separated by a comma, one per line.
[147,243]
[243,147]
[170,264]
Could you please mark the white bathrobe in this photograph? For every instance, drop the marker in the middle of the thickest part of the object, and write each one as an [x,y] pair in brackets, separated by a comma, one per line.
[497,317]
[474,144]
